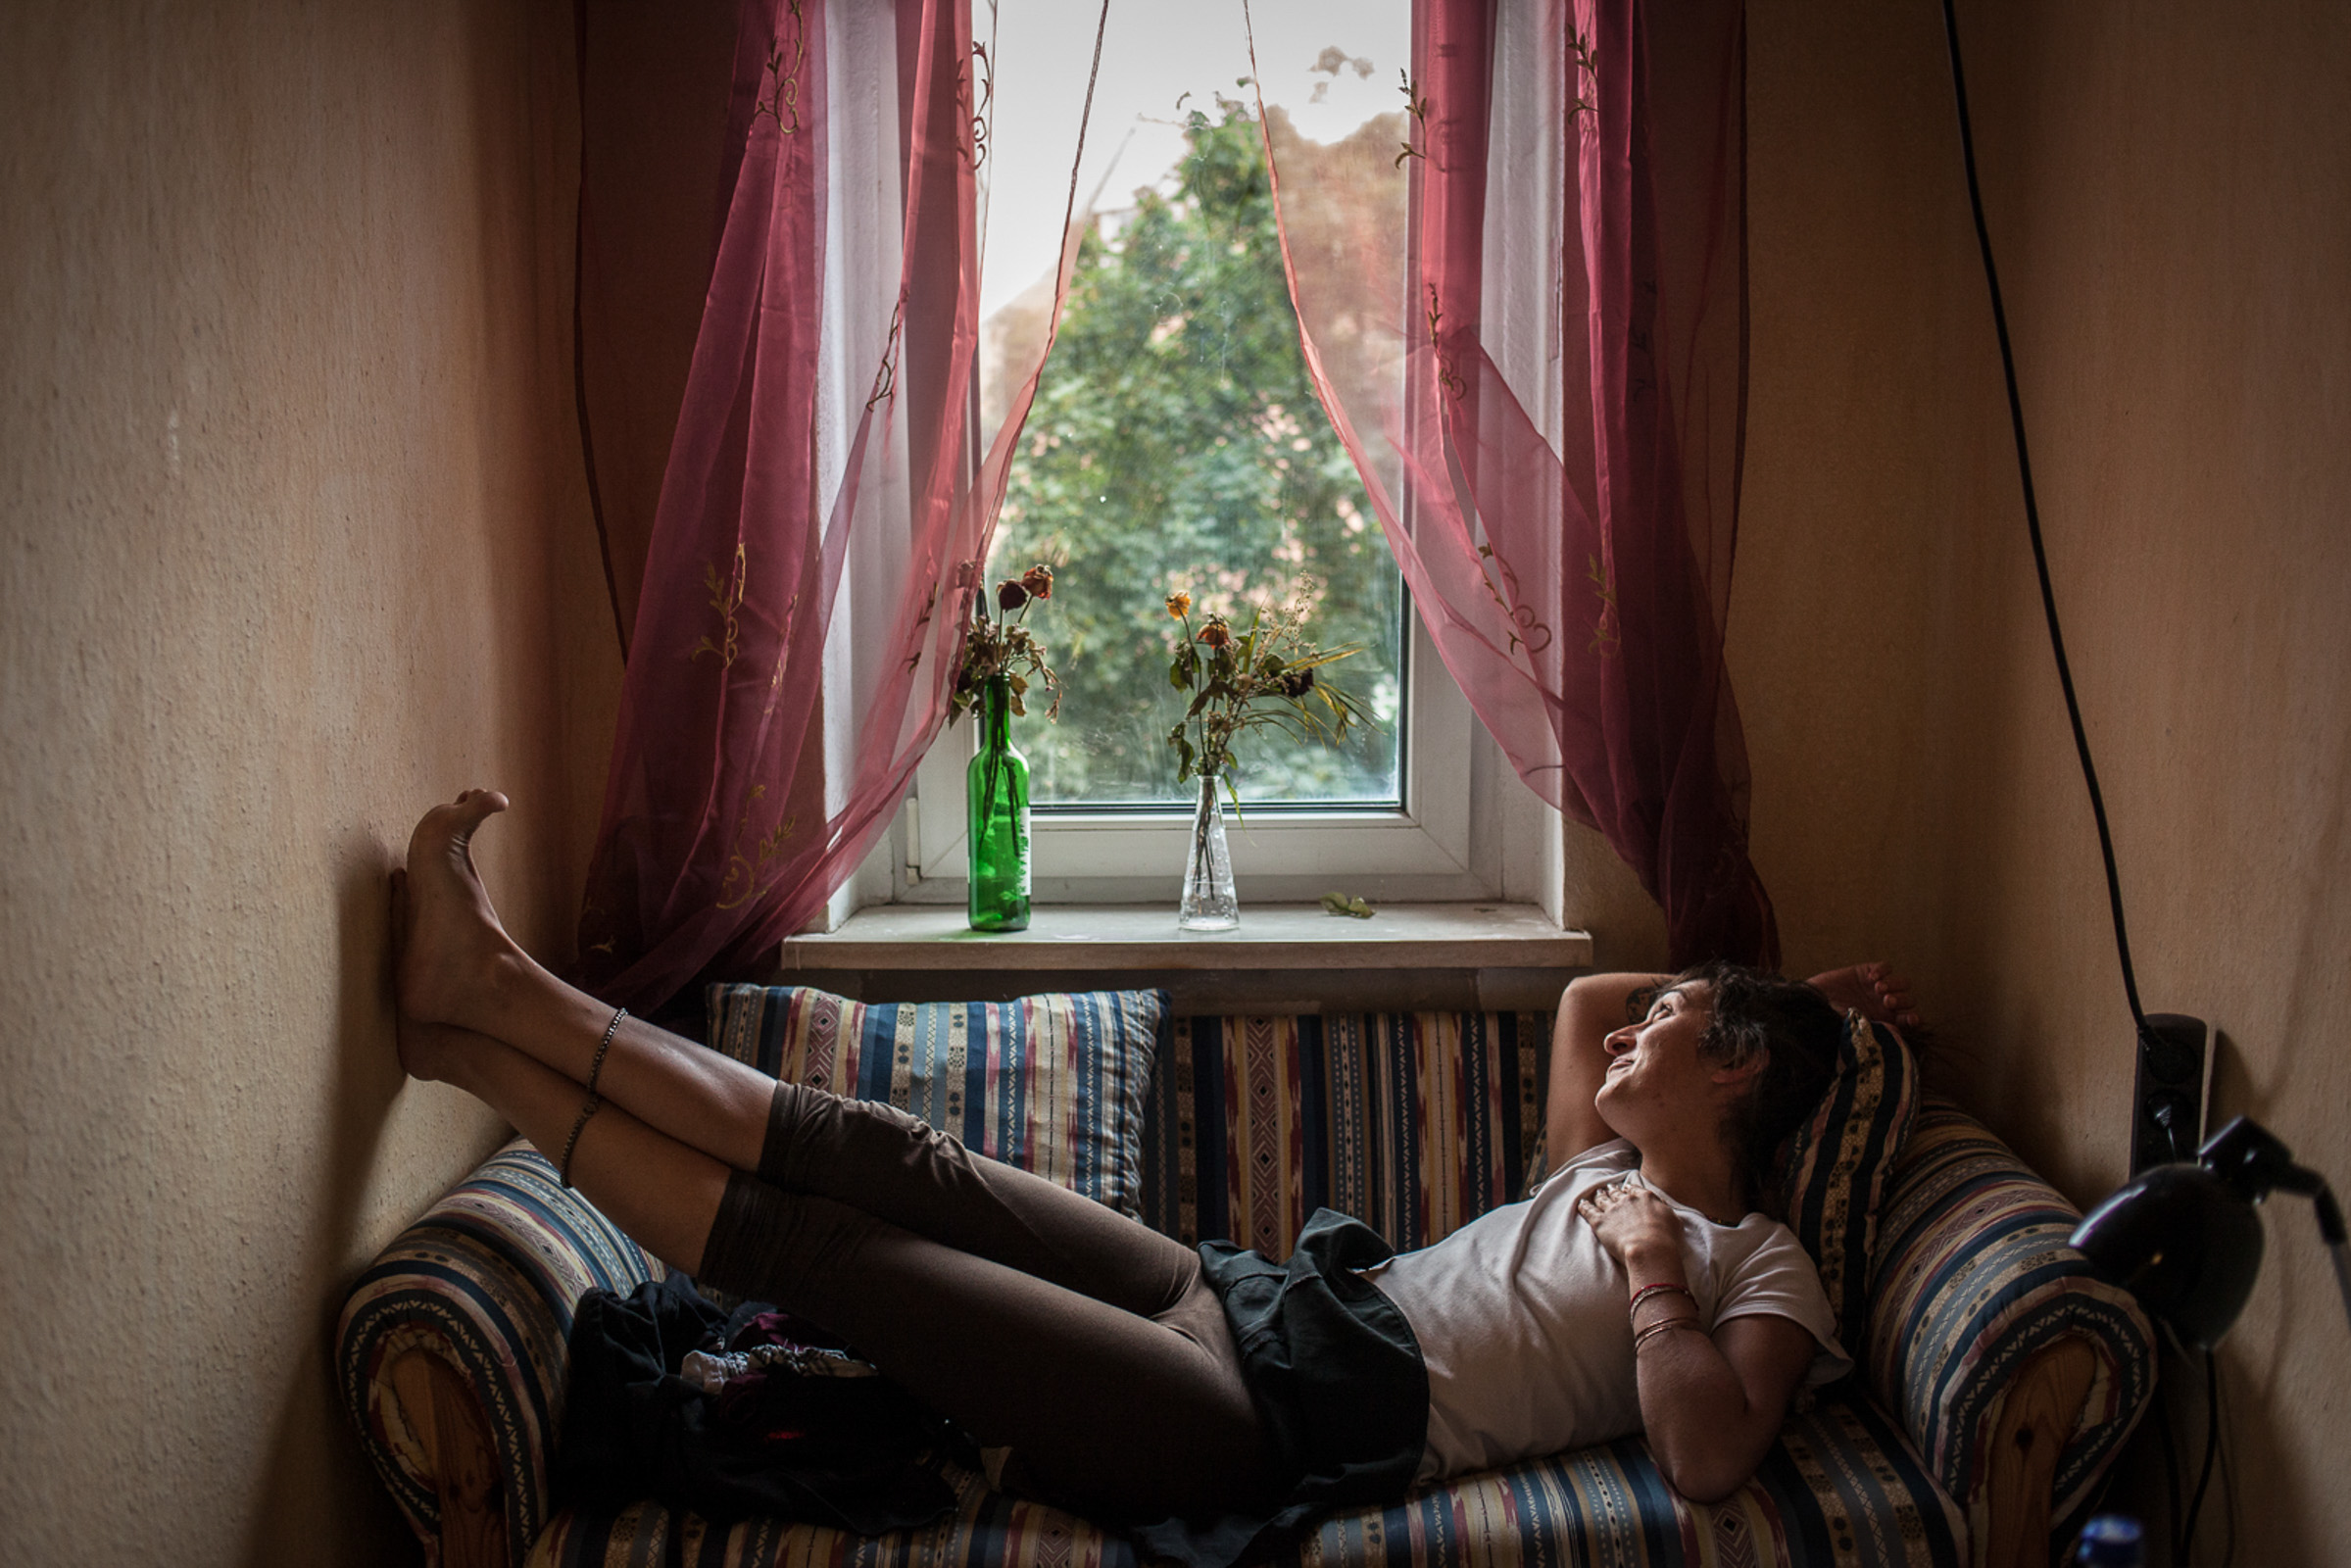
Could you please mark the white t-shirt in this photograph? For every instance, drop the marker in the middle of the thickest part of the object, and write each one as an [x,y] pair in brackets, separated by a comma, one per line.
[1521,1318]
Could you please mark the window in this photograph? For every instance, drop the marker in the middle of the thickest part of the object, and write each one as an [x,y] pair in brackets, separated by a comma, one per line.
[1176,444]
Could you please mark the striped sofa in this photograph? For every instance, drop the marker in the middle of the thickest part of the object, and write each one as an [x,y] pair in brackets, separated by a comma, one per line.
[1998,1377]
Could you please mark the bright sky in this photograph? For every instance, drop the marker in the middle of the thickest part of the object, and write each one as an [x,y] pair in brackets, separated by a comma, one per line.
[1153,53]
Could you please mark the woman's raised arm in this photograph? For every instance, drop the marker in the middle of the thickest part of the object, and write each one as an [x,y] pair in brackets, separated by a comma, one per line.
[1592,1009]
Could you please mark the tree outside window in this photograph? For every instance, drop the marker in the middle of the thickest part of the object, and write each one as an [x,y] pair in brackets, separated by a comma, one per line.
[1176,443]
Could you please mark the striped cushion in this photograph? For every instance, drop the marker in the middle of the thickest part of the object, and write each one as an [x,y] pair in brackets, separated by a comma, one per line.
[1971,1278]
[484,1282]
[986,1529]
[1053,1084]
[1841,1487]
[1414,1122]
[1839,1162]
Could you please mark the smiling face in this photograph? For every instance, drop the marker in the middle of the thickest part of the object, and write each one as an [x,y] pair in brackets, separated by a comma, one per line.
[1658,1081]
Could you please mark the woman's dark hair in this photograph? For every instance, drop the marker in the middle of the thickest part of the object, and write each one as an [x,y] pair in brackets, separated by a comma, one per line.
[1797,1031]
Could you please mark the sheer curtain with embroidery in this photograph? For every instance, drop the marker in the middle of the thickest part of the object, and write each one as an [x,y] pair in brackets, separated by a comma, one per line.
[1543,388]
[825,485]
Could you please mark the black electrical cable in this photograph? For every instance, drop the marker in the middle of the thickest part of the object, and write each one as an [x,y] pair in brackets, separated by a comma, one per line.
[2211,1450]
[2171,1468]
[2041,554]
[2227,1480]
[2090,772]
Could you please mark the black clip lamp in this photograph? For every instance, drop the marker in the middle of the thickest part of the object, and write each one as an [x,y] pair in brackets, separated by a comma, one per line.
[2184,1239]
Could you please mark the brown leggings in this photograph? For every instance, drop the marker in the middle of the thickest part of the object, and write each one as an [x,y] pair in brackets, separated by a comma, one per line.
[1037,1319]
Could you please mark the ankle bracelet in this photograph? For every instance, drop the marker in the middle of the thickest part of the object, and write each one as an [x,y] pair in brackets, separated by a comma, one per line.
[595,1067]
[588,1107]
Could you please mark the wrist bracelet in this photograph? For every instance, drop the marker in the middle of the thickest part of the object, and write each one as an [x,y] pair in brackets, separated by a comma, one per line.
[595,1067]
[1648,1290]
[588,1107]
[1666,1327]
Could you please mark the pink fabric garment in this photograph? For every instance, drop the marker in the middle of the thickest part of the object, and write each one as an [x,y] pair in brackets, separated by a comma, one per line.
[1577,592]
[719,834]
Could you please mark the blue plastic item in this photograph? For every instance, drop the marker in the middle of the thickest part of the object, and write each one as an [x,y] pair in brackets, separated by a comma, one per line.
[2111,1541]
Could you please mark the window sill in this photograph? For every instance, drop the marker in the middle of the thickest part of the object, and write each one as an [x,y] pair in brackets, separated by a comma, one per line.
[1283,959]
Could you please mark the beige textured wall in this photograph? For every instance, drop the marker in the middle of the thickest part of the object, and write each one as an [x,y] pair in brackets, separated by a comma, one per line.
[292,540]
[2170,196]
[655,97]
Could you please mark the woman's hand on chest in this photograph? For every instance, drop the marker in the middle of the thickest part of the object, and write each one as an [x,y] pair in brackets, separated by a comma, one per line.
[1639,1228]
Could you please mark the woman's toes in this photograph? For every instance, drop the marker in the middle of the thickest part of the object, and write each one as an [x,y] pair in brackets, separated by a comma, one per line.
[450,933]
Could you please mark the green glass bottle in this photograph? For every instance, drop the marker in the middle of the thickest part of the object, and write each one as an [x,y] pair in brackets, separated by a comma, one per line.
[997,788]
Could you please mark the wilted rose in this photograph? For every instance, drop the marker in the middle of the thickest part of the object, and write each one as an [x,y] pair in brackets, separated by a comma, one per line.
[1011,596]
[1298,682]
[1039,581]
[1216,634]
[1179,606]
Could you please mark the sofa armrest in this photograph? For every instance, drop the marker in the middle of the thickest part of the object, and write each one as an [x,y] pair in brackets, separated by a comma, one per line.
[2014,1369]
[450,1353]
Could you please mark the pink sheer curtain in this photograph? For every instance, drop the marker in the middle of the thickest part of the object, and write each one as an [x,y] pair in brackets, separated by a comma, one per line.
[736,804]
[1575,588]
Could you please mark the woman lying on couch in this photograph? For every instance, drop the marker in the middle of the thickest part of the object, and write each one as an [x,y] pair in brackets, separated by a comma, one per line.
[1198,1397]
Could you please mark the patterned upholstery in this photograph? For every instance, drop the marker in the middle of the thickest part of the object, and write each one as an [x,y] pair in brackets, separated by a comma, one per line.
[987,1530]
[1839,1163]
[1418,1123]
[483,1282]
[1973,1277]
[1414,1123]
[1053,1084]
[1842,1487]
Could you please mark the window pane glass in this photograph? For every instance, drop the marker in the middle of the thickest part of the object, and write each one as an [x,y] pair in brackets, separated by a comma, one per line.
[1176,442]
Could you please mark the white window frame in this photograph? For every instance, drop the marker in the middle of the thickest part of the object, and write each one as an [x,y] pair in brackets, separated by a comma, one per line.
[1468,828]
[1449,840]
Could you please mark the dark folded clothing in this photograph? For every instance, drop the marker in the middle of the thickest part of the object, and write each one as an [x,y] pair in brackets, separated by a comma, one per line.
[784,1439]
[1337,1376]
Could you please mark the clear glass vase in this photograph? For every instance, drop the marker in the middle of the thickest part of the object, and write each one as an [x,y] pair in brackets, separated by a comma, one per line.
[997,791]
[1209,903]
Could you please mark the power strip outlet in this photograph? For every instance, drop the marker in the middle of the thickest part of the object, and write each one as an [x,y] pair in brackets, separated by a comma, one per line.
[2173,1085]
